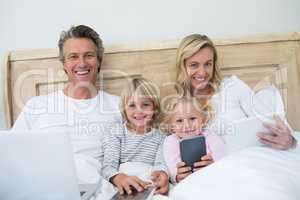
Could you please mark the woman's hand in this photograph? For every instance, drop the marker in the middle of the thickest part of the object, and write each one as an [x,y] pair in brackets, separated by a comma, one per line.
[161,181]
[125,183]
[281,137]
[205,161]
[182,171]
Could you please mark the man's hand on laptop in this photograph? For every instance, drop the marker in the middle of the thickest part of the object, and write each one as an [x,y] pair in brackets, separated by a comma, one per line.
[127,184]
[161,182]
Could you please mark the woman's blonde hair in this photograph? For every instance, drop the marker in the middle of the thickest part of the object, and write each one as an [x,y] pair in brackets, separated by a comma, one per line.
[142,88]
[204,109]
[189,46]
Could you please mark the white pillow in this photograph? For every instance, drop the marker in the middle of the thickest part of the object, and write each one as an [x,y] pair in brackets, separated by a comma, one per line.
[264,103]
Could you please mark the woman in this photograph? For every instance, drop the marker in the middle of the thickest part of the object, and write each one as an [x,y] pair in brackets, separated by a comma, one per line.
[198,75]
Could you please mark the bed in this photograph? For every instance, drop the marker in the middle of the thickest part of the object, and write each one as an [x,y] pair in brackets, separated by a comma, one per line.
[259,60]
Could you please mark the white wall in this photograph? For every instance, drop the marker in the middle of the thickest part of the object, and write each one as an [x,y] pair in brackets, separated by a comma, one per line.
[35,24]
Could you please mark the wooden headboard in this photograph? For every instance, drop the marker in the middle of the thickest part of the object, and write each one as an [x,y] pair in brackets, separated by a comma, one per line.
[258,60]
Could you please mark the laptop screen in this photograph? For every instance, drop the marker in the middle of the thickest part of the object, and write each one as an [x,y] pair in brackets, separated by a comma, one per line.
[37,165]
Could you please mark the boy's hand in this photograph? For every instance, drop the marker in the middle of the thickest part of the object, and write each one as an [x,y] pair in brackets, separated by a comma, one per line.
[125,183]
[161,181]
[182,171]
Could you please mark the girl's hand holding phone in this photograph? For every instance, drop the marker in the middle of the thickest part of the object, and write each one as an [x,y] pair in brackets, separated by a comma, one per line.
[204,161]
[182,171]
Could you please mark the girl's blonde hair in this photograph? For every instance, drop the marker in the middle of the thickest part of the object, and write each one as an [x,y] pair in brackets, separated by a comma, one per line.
[142,88]
[188,47]
[204,109]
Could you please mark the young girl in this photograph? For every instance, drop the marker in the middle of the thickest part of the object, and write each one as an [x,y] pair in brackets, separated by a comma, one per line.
[136,140]
[186,117]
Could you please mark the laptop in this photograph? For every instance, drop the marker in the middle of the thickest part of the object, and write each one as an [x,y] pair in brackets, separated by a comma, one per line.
[147,194]
[38,166]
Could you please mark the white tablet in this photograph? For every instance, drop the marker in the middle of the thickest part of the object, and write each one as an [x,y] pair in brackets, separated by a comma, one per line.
[243,134]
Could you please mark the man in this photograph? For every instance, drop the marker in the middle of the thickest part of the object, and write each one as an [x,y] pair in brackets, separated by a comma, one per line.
[79,109]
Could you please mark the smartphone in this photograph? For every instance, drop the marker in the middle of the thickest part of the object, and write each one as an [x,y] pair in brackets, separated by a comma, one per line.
[192,149]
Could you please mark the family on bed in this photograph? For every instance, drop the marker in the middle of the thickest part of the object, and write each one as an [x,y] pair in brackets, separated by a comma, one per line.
[107,133]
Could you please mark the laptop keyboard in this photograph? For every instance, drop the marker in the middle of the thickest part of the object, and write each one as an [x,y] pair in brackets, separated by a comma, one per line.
[146,194]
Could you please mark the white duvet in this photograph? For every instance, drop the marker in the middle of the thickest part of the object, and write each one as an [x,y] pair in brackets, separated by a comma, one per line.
[256,173]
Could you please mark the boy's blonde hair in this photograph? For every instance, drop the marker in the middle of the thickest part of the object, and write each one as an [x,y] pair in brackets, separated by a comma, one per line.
[188,47]
[143,88]
[204,108]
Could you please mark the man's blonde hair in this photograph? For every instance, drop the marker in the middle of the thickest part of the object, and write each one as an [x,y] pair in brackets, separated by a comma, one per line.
[188,47]
[142,88]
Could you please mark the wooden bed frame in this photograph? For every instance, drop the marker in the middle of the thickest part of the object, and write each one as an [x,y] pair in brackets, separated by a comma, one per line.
[258,60]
